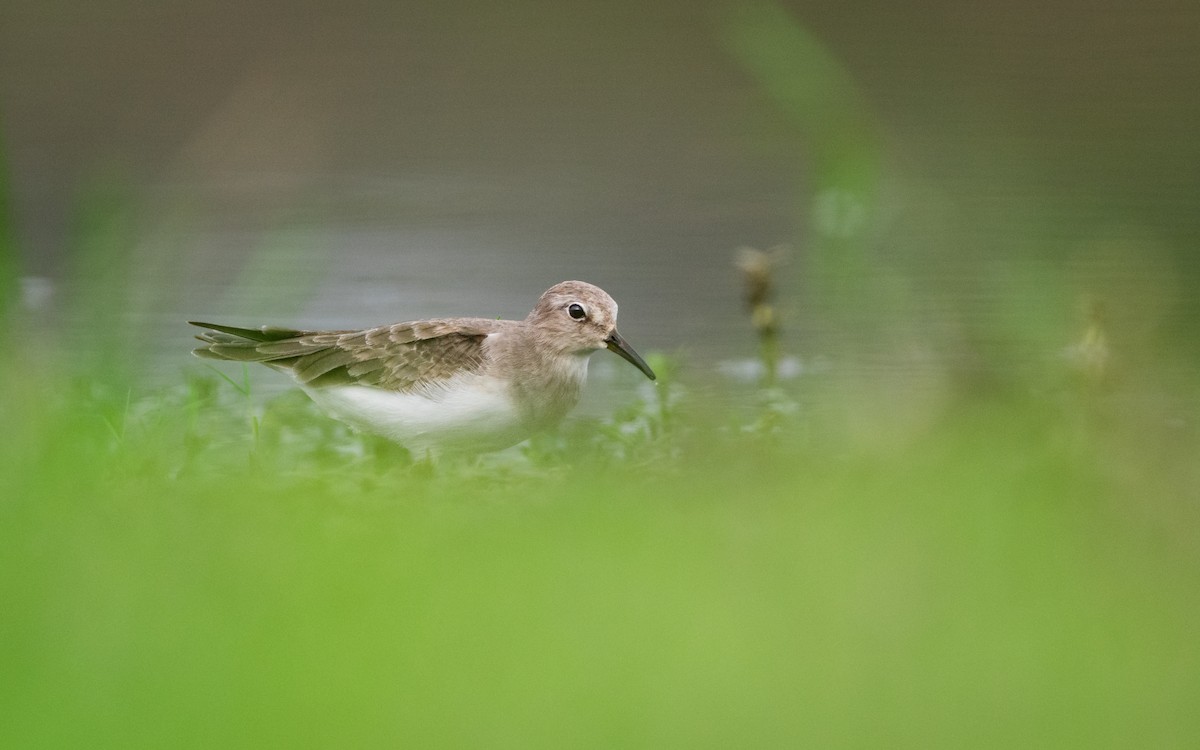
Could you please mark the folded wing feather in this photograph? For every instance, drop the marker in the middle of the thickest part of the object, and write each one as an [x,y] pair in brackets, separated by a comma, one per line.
[400,357]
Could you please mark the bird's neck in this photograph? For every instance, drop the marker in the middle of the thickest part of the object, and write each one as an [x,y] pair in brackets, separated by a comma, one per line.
[547,383]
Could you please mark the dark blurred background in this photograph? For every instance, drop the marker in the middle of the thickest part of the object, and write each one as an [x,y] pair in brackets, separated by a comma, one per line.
[949,177]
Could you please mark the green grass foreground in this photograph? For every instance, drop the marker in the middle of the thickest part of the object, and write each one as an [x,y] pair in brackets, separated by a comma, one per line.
[1004,572]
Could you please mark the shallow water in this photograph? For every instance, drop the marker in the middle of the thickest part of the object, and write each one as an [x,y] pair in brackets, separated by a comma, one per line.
[1001,171]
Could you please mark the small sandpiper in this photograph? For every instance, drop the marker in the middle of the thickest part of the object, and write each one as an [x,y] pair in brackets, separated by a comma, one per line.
[446,385]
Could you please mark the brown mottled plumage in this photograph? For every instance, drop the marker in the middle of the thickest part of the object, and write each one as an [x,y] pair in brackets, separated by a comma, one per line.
[456,383]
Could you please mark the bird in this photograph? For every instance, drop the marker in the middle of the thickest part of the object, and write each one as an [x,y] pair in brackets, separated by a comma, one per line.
[446,385]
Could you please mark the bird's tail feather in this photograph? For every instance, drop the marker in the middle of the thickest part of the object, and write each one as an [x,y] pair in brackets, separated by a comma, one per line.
[241,344]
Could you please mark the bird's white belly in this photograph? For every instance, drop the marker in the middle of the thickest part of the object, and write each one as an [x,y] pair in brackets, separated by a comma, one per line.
[473,411]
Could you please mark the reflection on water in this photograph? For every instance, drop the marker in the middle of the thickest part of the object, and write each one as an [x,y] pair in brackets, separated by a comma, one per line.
[953,180]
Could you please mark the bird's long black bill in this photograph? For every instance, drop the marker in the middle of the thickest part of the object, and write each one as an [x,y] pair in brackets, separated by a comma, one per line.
[621,348]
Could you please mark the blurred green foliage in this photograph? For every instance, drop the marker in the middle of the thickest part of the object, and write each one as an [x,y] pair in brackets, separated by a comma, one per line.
[1004,573]
[99,293]
[838,135]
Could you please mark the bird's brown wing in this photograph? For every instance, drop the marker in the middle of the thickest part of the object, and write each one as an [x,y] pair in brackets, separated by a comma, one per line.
[398,357]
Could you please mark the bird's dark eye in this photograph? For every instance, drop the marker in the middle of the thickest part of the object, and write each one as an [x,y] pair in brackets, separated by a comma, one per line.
[577,312]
